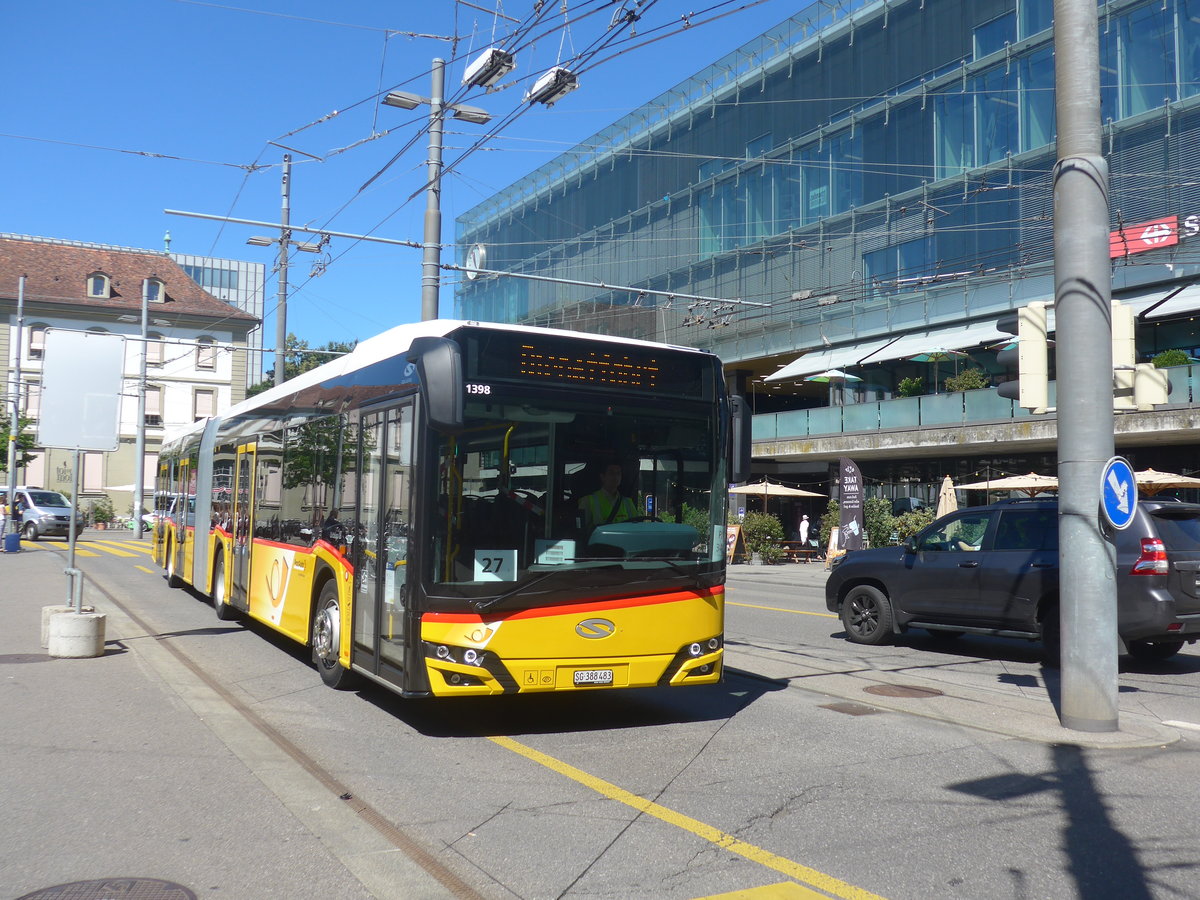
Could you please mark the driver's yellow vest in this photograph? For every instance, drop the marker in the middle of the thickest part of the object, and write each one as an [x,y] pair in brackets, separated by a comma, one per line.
[599,510]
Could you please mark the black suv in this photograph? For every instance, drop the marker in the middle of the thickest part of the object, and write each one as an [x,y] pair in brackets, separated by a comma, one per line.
[994,570]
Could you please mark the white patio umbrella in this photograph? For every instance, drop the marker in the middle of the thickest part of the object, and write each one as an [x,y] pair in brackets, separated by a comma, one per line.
[1027,484]
[767,489]
[1150,482]
[832,377]
[947,500]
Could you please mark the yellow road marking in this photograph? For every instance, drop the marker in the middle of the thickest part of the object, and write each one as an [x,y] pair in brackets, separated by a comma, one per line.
[781,864]
[109,547]
[785,890]
[798,612]
[147,571]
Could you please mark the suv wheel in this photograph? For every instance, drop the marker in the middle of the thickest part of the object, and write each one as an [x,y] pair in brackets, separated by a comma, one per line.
[31,532]
[867,615]
[1154,650]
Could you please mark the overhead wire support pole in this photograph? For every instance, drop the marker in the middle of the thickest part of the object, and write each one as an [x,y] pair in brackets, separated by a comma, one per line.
[15,421]
[1083,317]
[432,256]
[139,459]
[285,239]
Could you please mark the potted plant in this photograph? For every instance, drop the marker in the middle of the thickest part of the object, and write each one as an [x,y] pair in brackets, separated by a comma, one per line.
[102,512]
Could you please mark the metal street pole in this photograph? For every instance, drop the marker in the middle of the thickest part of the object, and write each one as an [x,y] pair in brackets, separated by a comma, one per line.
[15,422]
[1083,314]
[139,462]
[432,257]
[285,239]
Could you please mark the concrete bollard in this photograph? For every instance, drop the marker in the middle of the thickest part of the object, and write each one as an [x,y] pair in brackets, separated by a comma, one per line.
[77,635]
[47,612]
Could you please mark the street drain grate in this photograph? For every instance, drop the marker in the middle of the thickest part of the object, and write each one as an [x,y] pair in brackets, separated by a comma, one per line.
[850,709]
[903,690]
[114,889]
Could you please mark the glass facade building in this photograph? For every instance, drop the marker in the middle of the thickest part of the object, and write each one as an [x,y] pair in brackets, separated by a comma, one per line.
[864,171]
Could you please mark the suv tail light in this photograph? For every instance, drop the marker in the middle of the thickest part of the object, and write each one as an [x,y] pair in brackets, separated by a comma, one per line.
[1153,560]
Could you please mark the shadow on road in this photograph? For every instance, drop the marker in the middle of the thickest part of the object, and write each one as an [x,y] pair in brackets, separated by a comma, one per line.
[576,710]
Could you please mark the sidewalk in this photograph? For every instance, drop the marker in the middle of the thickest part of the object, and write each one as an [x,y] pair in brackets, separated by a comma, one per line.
[940,692]
[127,767]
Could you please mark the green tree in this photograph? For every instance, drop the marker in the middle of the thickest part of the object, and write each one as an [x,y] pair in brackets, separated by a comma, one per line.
[298,358]
[25,442]
[759,531]
[879,521]
[830,521]
[911,522]
[911,387]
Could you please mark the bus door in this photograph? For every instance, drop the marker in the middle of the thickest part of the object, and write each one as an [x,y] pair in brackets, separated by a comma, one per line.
[385,492]
[242,522]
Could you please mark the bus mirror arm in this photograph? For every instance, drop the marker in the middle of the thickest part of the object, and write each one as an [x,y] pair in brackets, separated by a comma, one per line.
[439,369]
[739,439]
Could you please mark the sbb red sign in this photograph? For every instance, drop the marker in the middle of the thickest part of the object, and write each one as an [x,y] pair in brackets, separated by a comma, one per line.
[1152,235]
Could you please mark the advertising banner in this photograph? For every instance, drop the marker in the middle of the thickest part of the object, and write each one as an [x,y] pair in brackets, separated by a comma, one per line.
[850,505]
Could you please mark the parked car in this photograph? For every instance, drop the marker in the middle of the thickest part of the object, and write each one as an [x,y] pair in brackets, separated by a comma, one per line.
[43,513]
[994,570]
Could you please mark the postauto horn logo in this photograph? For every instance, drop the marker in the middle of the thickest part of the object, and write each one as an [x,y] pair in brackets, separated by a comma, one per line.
[594,629]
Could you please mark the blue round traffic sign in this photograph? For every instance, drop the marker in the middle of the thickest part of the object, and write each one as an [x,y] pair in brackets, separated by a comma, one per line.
[1118,493]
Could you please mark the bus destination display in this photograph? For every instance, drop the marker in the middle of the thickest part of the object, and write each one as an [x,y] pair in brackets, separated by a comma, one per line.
[567,361]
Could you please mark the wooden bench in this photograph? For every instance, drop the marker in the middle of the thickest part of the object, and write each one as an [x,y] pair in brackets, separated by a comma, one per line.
[797,551]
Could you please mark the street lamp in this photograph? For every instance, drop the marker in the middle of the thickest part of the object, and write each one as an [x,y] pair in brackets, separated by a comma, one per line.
[139,462]
[432,257]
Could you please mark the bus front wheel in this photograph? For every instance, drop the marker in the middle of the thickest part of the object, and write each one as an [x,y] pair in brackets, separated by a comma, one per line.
[327,639]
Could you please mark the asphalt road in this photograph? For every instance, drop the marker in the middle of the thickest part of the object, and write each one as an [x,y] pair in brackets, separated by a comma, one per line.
[761,785]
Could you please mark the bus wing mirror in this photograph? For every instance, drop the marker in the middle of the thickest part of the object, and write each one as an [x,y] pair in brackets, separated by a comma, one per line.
[439,368]
[739,439]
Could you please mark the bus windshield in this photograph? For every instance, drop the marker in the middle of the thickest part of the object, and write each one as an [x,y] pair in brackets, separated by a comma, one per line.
[575,491]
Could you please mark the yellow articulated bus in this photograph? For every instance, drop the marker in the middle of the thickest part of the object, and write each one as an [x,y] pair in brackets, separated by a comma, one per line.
[461,509]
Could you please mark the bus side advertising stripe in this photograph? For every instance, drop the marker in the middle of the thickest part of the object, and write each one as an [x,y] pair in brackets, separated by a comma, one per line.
[626,602]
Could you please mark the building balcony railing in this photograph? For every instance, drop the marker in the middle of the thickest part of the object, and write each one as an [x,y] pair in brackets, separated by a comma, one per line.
[931,410]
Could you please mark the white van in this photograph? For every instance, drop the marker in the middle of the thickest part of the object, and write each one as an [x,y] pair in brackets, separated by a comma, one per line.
[43,513]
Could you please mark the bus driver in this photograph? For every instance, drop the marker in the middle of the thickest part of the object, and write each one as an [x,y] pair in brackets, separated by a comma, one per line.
[607,505]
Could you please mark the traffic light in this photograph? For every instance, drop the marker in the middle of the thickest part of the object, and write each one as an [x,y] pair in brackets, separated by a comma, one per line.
[1150,386]
[1135,385]
[1124,356]
[1031,387]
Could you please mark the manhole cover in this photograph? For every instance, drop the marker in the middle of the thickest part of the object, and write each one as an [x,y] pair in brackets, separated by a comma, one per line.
[23,657]
[902,690]
[850,709]
[114,889]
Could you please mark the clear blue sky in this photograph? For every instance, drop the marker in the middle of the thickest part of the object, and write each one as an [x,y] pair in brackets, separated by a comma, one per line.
[114,111]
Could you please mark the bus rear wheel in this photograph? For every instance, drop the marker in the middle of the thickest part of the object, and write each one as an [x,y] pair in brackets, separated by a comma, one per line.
[224,611]
[327,639]
[173,579]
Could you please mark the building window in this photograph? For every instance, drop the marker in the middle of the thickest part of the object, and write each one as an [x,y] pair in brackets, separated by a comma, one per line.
[995,35]
[154,350]
[153,404]
[92,477]
[155,293]
[206,354]
[204,404]
[37,341]
[33,399]
[98,285]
